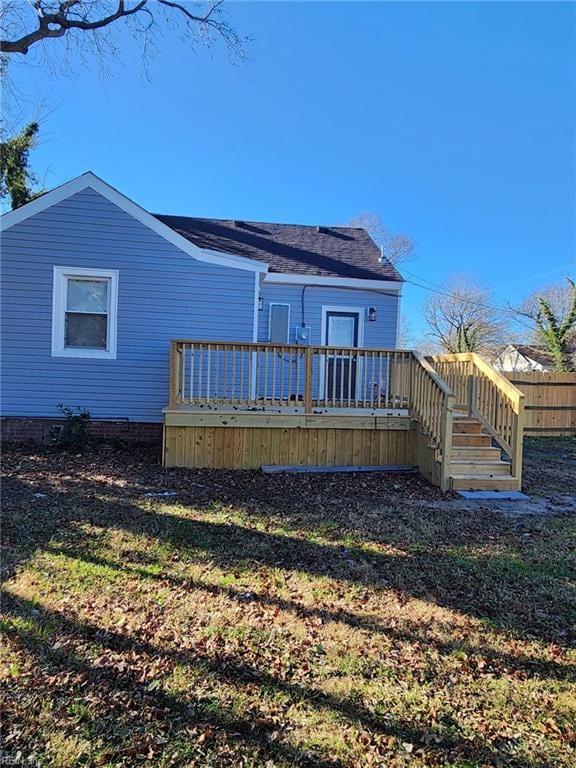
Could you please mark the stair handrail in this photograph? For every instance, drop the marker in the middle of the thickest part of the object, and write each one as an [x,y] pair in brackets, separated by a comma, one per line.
[432,403]
[494,400]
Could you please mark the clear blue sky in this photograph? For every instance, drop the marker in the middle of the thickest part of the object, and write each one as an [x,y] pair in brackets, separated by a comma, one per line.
[453,121]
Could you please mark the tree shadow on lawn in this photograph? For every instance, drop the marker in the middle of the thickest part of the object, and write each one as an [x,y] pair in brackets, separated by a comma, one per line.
[422,558]
[487,586]
[78,662]
[494,661]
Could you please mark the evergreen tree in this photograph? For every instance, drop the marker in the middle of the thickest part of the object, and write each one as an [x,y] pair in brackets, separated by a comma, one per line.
[16,178]
[556,333]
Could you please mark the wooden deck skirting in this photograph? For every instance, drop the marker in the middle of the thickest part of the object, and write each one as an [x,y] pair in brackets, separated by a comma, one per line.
[249,442]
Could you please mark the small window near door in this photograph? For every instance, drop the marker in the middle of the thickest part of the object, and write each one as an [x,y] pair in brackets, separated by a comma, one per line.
[84,312]
[279,323]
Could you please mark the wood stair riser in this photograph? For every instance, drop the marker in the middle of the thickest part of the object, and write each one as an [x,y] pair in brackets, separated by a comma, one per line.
[490,468]
[476,452]
[459,440]
[464,483]
[469,427]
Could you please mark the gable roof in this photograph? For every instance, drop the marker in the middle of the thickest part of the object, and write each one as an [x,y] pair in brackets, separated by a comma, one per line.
[290,248]
[91,181]
[328,255]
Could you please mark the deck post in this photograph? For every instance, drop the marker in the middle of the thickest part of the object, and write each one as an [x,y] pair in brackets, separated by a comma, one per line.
[471,391]
[413,363]
[518,441]
[446,450]
[308,380]
[174,374]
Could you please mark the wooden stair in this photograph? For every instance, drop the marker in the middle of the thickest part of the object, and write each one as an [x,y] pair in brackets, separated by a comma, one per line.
[475,464]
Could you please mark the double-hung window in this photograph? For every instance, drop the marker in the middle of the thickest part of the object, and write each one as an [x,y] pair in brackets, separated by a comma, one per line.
[84,312]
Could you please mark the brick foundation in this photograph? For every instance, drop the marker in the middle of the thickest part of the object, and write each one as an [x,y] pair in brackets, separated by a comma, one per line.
[15,429]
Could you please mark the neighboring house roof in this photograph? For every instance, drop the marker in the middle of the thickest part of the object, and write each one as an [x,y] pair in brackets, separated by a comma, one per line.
[540,356]
[290,248]
[534,354]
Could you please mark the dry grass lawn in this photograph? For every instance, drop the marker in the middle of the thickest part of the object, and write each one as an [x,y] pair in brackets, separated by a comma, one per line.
[257,620]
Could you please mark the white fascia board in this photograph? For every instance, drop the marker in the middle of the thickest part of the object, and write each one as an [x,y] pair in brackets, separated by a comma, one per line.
[335,282]
[240,262]
[89,180]
[398,321]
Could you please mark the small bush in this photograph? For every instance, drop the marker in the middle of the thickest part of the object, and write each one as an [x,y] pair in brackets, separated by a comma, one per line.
[74,433]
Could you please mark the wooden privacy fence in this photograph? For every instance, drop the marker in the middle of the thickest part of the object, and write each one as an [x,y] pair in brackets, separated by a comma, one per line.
[550,402]
[488,396]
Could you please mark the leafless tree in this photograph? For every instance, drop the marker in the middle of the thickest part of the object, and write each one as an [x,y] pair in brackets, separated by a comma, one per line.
[461,319]
[559,296]
[406,339]
[396,248]
[90,25]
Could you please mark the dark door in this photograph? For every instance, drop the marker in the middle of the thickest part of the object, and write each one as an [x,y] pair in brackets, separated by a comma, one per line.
[341,331]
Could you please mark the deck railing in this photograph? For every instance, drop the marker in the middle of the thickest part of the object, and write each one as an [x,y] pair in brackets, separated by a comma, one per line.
[489,396]
[274,376]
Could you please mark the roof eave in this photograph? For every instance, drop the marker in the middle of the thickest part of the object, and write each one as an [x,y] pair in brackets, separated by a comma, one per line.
[285,278]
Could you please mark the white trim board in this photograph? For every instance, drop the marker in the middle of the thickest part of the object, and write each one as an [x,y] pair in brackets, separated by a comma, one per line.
[387,286]
[398,321]
[256,317]
[91,181]
[255,320]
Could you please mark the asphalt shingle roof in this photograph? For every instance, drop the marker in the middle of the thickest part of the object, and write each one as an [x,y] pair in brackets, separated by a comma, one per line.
[290,248]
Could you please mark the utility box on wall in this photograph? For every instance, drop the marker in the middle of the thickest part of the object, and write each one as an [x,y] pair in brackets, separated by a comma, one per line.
[303,334]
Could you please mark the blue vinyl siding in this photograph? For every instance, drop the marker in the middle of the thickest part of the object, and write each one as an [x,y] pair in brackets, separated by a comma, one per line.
[381,333]
[306,309]
[163,294]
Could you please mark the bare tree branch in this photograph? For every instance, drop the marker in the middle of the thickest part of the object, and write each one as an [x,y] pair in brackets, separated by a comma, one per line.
[58,24]
[396,248]
[24,25]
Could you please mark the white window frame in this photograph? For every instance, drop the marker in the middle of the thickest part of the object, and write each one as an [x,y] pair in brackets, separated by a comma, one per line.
[279,304]
[59,294]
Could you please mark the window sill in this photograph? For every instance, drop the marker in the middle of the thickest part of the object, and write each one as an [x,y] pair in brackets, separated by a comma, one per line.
[97,354]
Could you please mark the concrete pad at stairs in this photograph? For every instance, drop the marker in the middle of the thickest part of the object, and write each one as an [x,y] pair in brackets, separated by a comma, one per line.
[514,505]
[493,495]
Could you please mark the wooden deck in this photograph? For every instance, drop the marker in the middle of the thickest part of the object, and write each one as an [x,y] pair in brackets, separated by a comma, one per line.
[242,406]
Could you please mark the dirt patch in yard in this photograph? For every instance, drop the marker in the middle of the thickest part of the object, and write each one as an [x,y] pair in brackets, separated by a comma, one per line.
[549,465]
